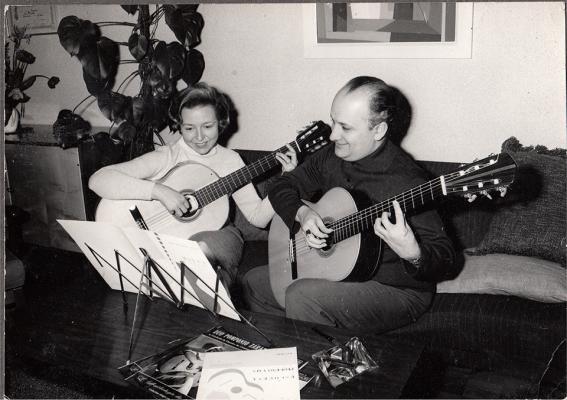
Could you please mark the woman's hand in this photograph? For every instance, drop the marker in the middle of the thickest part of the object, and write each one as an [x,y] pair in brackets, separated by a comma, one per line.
[313,227]
[287,160]
[398,236]
[174,201]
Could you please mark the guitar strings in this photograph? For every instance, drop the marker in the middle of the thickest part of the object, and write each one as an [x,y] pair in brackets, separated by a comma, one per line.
[218,188]
[301,245]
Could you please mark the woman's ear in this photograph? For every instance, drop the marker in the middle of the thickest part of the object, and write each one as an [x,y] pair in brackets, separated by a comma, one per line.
[380,130]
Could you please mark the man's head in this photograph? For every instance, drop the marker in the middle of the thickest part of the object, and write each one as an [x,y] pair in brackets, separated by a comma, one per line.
[360,113]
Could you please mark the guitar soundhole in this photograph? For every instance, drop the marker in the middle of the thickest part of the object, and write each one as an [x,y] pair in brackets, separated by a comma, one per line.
[190,214]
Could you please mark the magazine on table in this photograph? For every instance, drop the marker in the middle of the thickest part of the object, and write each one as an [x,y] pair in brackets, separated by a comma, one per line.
[175,372]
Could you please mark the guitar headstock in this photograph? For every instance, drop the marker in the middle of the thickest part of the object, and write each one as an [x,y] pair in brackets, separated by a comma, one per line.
[313,137]
[496,172]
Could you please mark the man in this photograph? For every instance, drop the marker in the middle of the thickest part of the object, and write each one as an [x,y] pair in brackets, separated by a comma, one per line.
[416,251]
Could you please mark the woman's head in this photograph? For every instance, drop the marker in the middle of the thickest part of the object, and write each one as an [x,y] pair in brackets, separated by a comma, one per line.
[202,114]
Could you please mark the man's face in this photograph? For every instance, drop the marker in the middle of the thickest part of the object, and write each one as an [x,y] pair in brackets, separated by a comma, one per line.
[353,138]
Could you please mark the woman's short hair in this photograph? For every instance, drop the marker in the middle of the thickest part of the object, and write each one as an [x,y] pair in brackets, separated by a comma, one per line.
[382,102]
[201,94]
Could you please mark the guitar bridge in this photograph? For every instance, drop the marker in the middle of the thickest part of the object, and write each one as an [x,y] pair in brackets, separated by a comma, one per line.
[292,260]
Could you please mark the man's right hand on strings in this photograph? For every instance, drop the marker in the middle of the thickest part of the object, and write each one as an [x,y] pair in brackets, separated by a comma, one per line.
[313,226]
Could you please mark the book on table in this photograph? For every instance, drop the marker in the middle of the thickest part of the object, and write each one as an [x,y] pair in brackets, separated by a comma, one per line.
[176,371]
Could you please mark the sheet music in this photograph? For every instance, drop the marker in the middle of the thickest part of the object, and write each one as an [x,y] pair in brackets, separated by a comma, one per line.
[104,239]
[99,240]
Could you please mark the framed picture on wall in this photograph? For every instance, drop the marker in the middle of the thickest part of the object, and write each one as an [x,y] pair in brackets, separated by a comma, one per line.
[39,17]
[388,30]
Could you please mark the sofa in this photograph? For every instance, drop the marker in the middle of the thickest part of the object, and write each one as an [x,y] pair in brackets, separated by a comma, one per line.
[507,304]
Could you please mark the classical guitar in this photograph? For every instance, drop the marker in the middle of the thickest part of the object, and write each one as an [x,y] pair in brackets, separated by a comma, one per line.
[206,187]
[353,250]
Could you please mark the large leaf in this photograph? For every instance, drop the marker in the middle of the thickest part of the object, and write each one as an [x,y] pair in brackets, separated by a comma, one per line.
[126,132]
[138,110]
[160,58]
[194,67]
[115,106]
[185,22]
[96,86]
[74,32]
[176,55]
[100,59]
[138,45]
[130,8]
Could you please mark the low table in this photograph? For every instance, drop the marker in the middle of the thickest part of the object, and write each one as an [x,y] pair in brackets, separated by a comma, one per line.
[72,319]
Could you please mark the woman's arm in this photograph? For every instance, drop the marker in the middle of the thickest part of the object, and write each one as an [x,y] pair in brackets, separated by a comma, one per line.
[130,179]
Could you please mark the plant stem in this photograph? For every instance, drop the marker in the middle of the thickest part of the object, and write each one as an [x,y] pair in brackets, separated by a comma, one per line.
[111,23]
[128,77]
[81,102]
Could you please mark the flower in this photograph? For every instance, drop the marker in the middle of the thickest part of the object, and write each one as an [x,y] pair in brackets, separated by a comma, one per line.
[16,66]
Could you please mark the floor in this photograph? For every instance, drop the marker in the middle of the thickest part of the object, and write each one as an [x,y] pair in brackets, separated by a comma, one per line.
[25,379]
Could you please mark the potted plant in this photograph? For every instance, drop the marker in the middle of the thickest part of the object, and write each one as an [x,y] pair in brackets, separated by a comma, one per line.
[17,61]
[160,66]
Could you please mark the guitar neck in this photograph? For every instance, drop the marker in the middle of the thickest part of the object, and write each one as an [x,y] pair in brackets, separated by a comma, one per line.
[228,184]
[409,201]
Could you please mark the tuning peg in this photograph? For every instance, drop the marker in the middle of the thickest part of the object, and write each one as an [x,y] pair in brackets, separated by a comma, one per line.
[470,197]
[485,193]
[503,190]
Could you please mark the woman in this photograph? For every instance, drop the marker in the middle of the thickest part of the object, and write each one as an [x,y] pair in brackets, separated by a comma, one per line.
[203,115]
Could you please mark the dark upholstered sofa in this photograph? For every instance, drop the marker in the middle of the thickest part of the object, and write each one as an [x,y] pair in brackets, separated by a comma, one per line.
[478,330]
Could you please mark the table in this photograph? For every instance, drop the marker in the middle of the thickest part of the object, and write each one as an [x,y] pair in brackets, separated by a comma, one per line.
[72,318]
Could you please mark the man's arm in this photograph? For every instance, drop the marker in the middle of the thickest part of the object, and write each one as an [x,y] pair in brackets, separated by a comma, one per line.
[286,191]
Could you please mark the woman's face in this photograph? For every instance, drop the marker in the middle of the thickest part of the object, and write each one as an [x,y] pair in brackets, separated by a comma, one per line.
[200,128]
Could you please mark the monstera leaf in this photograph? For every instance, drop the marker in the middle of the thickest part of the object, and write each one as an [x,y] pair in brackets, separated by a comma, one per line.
[176,55]
[185,22]
[75,32]
[194,67]
[130,8]
[115,106]
[126,132]
[100,59]
[138,46]
[96,86]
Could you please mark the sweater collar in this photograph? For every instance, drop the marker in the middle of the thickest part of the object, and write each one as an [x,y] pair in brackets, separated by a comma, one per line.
[382,156]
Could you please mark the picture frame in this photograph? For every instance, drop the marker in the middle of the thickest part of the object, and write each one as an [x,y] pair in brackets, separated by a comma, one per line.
[351,36]
[36,17]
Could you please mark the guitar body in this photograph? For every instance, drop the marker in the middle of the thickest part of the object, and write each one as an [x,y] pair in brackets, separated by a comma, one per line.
[186,178]
[355,250]
[353,259]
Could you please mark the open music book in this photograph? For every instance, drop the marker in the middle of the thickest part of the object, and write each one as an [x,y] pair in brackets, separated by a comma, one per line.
[178,270]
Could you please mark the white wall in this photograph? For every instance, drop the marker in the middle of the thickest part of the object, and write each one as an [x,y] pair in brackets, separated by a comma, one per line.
[514,84]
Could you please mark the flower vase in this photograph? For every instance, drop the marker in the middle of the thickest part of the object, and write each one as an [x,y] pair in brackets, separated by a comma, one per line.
[11,122]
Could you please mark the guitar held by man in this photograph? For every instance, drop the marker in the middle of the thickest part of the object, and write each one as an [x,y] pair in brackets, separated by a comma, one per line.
[352,251]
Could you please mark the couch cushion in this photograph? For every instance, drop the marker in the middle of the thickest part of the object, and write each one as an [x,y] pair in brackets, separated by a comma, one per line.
[531,219]
[505,274]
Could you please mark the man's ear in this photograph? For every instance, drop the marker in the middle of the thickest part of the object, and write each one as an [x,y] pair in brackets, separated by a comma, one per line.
[379,130]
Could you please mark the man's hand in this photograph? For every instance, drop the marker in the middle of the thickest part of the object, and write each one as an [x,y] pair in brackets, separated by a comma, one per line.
[398,236]
[174,201]
[287,160]
[313,227]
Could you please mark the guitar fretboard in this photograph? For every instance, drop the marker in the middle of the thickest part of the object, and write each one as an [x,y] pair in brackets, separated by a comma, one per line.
[364,220]
[230,183]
